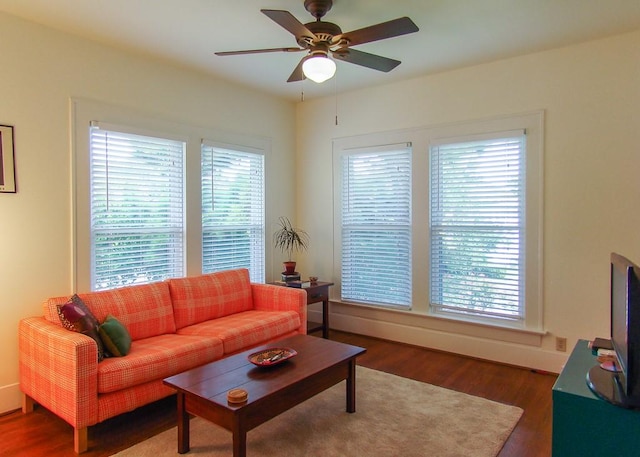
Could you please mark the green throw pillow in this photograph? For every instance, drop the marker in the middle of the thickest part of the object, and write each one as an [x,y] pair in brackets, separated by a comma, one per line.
[115,337]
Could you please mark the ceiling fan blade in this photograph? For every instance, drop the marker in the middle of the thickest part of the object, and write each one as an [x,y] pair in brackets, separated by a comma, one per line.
[366,60]
[297,74]
[389,29]
[288,21]
[258,51]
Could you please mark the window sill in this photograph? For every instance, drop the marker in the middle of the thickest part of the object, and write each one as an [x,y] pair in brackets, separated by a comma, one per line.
[436,323]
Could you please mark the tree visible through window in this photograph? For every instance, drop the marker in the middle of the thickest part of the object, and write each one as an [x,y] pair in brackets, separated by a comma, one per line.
[477,227]
[137,222]
[443,221]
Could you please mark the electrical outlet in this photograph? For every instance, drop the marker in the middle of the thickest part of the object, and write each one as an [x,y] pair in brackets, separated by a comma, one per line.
[561,344]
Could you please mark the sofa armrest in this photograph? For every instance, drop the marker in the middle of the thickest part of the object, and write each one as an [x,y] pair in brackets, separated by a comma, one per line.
[59,370]
[268,297]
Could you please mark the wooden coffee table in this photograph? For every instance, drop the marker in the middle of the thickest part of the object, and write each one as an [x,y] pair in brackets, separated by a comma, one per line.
[202,391]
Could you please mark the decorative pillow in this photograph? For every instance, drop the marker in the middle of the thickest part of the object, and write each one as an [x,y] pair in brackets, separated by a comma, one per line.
[115,336]
[75,316]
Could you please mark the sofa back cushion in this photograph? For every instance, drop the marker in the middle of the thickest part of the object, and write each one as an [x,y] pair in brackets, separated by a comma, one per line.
[200,298]
[145,310]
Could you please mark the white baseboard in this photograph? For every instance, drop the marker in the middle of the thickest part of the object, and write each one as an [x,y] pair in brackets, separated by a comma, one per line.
[487,349]
[10,398]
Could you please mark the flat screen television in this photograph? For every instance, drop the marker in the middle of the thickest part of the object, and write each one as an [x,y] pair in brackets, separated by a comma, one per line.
[621,385]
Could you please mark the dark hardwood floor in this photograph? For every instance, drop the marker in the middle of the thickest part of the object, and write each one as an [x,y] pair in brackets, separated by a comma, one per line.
[43,434]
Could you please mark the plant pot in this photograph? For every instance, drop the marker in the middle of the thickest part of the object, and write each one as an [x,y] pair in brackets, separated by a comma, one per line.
[289,267]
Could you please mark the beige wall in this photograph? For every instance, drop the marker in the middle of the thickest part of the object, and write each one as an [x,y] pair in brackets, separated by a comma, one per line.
[590,94]
[42,69]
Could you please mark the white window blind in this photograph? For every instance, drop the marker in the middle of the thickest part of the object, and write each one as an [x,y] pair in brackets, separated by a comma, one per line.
[233,227]
[477,227]
[376,226]
[137,221]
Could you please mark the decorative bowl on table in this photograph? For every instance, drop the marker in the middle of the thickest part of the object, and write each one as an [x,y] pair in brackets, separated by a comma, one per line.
[271,356]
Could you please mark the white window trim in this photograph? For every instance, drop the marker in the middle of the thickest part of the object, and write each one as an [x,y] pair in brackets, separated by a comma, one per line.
[344,153]
[82,112]
[260,151]
[532,124]
[99,130]
[342,146]
[421,138]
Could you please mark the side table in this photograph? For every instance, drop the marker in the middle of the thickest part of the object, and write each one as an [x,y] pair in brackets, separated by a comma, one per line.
[317,292]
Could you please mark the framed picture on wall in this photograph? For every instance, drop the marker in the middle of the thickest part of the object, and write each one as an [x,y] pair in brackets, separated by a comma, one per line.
[7,168]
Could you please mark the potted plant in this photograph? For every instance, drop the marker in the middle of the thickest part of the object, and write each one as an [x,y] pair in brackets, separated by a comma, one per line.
[289,239]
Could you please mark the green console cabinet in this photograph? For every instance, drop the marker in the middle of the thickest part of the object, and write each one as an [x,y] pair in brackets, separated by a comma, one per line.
[585,425]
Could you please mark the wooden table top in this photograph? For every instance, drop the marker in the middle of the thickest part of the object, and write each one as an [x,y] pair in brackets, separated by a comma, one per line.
[213,380]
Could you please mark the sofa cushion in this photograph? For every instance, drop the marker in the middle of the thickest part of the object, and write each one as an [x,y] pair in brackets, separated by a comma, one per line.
[200,298]
[246,329]
[115,337]
[156,358]
[75,316]
[145,309]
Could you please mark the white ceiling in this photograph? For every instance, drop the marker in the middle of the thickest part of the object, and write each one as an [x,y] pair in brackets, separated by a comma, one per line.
[453,33]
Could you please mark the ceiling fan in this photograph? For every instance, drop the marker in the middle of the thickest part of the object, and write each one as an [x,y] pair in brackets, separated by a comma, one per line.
[322,38]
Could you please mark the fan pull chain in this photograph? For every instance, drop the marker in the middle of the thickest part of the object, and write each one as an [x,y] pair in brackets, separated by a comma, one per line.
[335,94]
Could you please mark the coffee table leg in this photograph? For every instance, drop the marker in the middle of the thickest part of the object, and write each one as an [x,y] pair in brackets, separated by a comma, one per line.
[183,426]
[351,387]
[239,440]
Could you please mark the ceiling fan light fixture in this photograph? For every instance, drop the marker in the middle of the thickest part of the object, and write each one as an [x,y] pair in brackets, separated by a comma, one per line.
[319,68]
[320,39]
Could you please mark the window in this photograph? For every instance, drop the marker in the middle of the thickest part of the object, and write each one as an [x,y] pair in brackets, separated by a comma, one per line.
[136,205]
[444,222]
[376,226]
[477,227]
[233,223]
[152,199]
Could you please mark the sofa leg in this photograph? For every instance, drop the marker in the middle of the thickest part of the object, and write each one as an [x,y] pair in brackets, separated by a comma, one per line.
[27,404]
[80,441]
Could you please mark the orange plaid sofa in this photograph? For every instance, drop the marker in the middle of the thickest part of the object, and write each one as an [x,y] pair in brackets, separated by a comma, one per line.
[174,325]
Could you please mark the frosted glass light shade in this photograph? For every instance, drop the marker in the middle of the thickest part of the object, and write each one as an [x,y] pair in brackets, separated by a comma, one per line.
[319,68]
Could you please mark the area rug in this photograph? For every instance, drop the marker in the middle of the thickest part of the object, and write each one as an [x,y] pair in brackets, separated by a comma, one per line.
[394,417]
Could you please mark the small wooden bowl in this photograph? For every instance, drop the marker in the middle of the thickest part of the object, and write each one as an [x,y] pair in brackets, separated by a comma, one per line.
[237,396]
